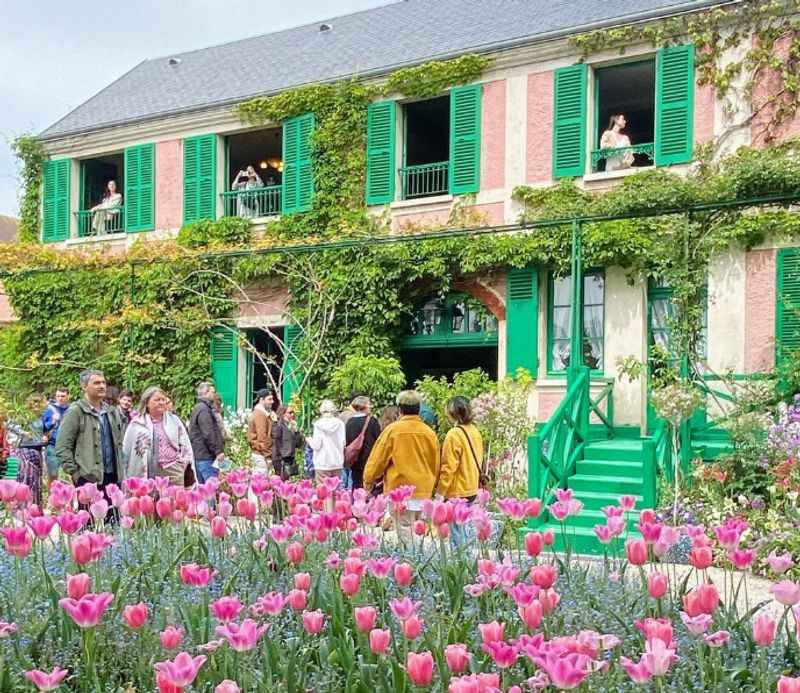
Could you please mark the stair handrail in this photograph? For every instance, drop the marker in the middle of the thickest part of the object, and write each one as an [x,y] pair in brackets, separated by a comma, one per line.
[607,417]
[658,461]
[554,450]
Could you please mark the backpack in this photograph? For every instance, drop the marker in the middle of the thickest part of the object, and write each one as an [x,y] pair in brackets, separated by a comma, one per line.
[353,450]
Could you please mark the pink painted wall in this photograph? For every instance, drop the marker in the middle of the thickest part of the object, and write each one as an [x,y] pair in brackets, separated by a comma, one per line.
[759,318]
[169,190]
[267,298]
[548,401]
[493,214]
[539,152]
[768,85]
[704,99]
[493,135]
[6,311]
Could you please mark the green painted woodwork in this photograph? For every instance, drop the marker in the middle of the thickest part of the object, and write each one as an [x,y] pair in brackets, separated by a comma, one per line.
[381,126]
[225,364]
[199,178]
[465,139]
[291,365]
[674,105]
[456,311]
[55,200]
[787,313]
[522,320]
[569,121]
[140,188]
[298,168]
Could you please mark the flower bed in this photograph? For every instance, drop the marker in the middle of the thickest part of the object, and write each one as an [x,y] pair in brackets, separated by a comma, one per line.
[252,586]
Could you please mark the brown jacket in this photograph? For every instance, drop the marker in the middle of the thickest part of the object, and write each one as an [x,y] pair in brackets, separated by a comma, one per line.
[259,432]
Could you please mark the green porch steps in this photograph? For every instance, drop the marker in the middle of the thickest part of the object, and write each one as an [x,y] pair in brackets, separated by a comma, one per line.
[610,469]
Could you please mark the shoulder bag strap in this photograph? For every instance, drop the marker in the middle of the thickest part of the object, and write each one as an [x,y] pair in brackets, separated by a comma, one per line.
[472,450]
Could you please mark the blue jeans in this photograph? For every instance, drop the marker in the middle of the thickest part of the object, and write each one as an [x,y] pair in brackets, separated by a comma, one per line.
[205,470]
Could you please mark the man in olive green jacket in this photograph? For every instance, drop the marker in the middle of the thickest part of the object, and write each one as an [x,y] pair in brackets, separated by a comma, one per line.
[89,444]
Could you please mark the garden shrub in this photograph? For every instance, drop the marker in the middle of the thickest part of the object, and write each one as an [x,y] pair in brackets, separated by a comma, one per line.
[379,378]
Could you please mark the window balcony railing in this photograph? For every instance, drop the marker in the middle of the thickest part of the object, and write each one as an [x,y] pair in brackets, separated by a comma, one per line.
[100,222]
[425,180]
[618,158]
[252,203]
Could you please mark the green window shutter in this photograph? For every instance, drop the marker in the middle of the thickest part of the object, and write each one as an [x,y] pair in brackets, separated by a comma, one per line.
[569,121]
[55,200]
[139,185]
[225,364]
[199,178]
[787,314]
[298,169]
[381,119]
[291,373]
[674,104]
[522,320]
[465,139]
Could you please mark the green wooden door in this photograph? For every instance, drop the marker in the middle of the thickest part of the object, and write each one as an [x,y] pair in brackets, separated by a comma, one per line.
[139,188]
[465,139]
[55,200]
[298,167]
[674,105]
[225,364]
[199,178]
[522,320]
[787,313]
[381,125]
[569,121]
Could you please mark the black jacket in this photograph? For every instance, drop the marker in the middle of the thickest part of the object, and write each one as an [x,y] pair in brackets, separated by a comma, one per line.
[352,429]
[285,441]
[204,432]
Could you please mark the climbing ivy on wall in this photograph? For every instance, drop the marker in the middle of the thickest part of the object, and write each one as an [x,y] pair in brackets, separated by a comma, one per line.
[31,155]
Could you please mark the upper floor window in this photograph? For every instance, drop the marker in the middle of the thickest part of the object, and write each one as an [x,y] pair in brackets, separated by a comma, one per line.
[101,208]
[426,148]
[652,99]
[254,174]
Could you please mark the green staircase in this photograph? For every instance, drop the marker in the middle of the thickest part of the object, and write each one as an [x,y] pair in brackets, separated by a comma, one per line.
[609,469]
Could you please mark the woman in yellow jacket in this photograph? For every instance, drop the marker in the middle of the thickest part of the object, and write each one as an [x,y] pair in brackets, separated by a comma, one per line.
[462,460]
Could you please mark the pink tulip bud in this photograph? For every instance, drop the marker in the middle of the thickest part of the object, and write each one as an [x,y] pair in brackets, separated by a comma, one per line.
[544,576]
[636,550]
[78,585]
[457,657]
[419,667]
[412,627]
[534,542]
[531,614]
[701,557]
[297,599]
[313,621]
[403,574]
[295,552]
[135,615]
[420,528]
[763,630]
[350,583]
[226,608]
[548,537]
[302,581]
[219,527]
[379,640]
[365,618]
[657,585]
[171,637]
[227,686]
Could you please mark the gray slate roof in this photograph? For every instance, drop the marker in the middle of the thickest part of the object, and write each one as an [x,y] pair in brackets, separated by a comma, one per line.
[368,42]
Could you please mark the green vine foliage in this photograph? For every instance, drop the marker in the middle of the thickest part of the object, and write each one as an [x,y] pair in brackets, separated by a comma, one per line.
[31,155]
[769,28]
[433,78]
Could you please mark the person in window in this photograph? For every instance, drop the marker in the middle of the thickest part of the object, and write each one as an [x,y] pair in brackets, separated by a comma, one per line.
[106,213]
[613,138]
[247,205]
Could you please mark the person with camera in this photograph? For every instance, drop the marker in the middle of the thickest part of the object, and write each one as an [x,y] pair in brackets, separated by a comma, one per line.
[247,204]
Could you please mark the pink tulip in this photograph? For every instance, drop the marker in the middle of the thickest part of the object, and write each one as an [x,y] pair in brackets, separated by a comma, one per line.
[786,592]
[403,574]
[657,585]
[544,576]
[788,685]
[534,542]
[380,567]
[195,575]
[548,537]
[492,632]
[41,526]
[503,654]
[763,630]
[419,667]
[412,627]
[297,599]
[718,638]
[7,629]
[219,528]
[403,608]
[656,628]
[742,559]
[88,610]
[295,552]
[135,615]
[46,682]
[226,608]
[549,600]
[241,637]
[701,557]
[379,640]
[780,564]
[89,547]
[627,503]
[566,672]
[658,657]
[70,522]
[171,637]
[78,585]
[604,534]
[365,617]
[313,621]
[18,541]
[560,510]
[639,673]
[350,583]
[457,657]
[302,581]
[531,614]
[696,625]
[636,550]
[420,528]
[227,686]
[181,671]
[270,604]
[703,599]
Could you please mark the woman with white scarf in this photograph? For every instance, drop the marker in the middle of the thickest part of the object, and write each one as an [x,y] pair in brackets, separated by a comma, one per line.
[156,442]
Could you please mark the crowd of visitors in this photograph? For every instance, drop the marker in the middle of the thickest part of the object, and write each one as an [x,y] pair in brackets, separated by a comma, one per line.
[101,438]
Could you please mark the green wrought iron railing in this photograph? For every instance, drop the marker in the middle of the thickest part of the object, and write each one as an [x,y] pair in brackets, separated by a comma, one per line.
[555,449]
[100,222]
[425,180]
[642,155]
[252,203]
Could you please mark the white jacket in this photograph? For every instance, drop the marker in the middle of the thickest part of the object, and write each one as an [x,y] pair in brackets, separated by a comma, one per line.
[137,445]
[327,443]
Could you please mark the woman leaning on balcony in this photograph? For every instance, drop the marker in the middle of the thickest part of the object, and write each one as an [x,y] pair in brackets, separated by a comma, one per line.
[613,138]
[107,210]
[247,205]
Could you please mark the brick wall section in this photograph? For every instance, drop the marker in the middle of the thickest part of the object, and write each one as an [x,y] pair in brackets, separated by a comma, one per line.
[268,298]
[767,85]
[759,322]
[169,184]
[489,290]
[539,153]
[493,135]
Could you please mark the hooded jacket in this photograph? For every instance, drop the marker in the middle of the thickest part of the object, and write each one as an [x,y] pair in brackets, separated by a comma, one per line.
[138,445]
[51,420]
[327,443]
